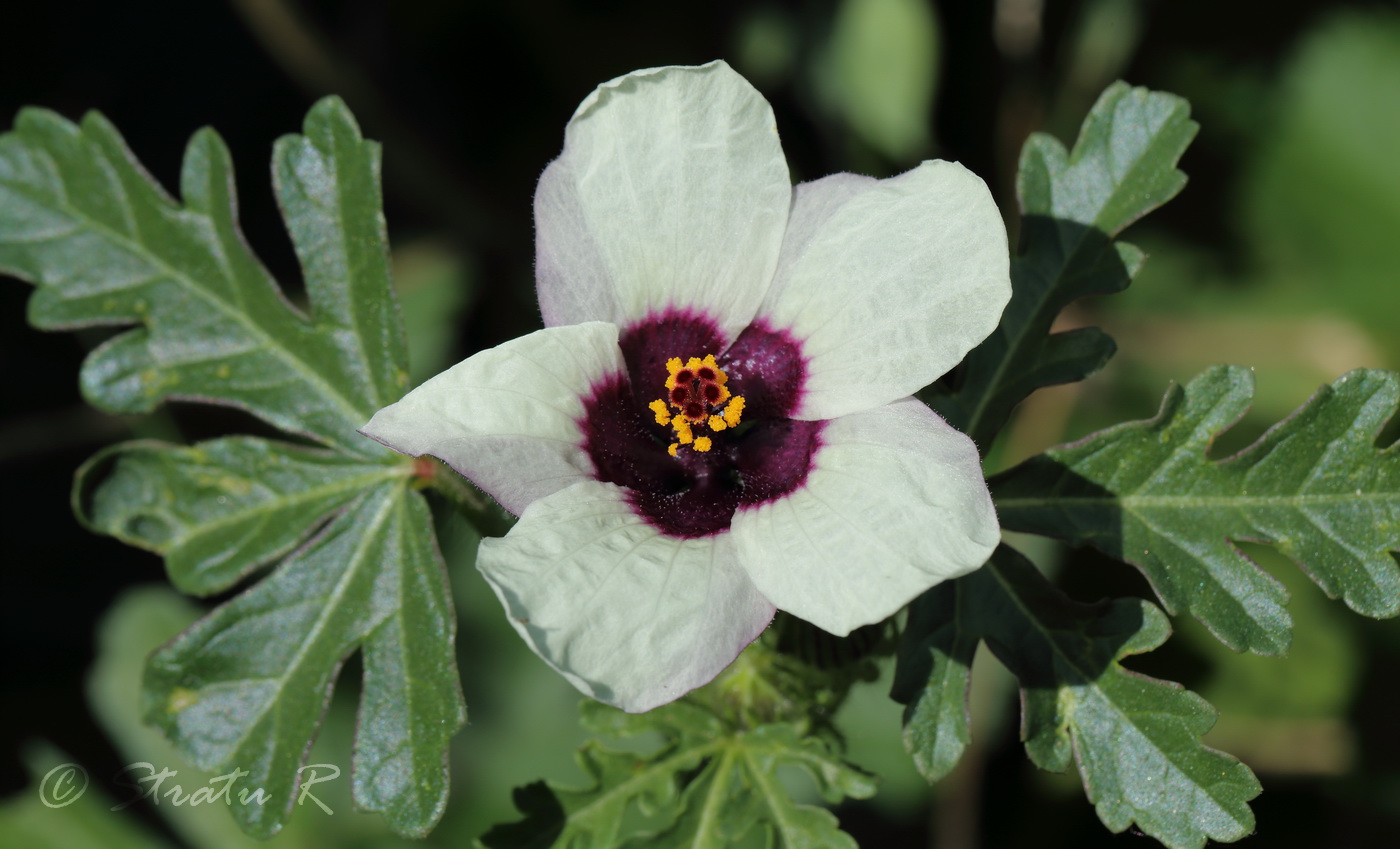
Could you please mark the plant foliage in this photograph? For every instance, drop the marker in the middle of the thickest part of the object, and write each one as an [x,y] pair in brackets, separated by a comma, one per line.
[710,783]
[346,538]
[1072,205]
[1315,486]
[246,686]
[1134,739]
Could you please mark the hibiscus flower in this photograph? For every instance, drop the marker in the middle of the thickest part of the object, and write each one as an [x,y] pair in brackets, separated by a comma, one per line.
[716,420]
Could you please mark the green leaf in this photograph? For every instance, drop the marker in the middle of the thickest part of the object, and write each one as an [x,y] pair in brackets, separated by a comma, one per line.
[246,685]
[435,287]
[932,678]
[1122,167]
[245,688]
[1135,739]
[1073,204]
[84,819]
[221,508]
[105,245]
[1320,188]
[1315,486]
[880,71]
[143,617]
[709,782]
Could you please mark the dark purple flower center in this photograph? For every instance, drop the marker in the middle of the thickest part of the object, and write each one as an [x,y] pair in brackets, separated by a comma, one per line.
[695,494]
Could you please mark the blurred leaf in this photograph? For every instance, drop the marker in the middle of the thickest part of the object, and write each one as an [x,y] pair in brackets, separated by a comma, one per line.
[1101,43]
[1321,200]
[245,687]
[869,726]
[1135,739]
[1266,718]
[1122,167]
[880,72]
[766,45]
[1315,486]
[1324,652]
[709,783]
[434,286]
[85,823]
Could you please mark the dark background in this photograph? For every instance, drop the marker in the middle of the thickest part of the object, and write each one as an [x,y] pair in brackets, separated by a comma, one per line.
[470,100]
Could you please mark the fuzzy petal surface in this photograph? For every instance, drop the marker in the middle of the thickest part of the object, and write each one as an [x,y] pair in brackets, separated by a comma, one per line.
[672,191]
[895,503]
[888,283]
[629,616]
[507,418]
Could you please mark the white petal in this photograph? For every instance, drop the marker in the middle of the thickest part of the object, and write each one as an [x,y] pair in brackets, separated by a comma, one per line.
[895,503]
[888,283]
[629,616]
[507,418]
[672,191]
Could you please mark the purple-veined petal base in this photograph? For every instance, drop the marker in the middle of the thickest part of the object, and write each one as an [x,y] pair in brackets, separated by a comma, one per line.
[696,494]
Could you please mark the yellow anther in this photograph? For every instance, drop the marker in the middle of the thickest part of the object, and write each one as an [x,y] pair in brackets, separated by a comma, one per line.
[673,366]
[696,400]
[734,411]
[720,377]
[663,415]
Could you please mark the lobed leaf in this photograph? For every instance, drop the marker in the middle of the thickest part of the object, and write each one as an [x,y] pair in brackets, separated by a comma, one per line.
[105,245]
[1073,204]
[246,685]
[1135,739]
[219,509]
[933,677]
[244,689]
[1315,486]
[709,783]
